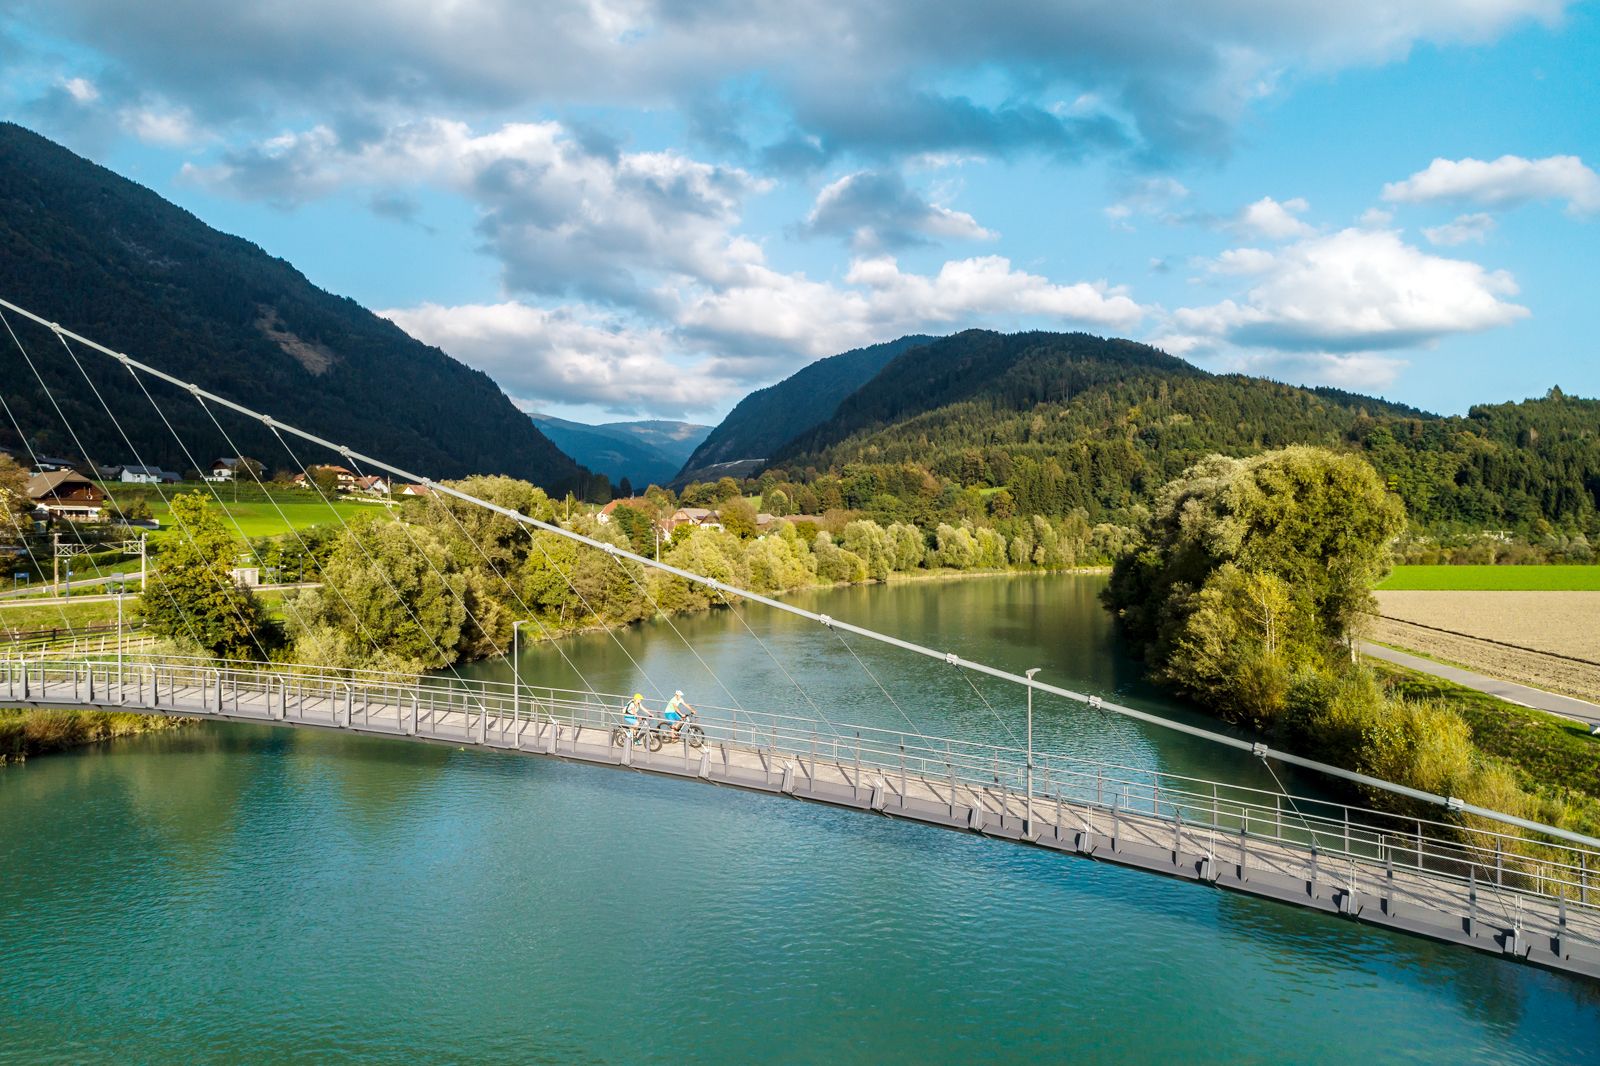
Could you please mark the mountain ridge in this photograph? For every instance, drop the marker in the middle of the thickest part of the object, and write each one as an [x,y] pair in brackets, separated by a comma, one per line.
[645,451]
[112,260]
[769,417]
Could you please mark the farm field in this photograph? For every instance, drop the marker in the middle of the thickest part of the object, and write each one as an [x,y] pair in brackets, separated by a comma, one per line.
[256,512]
[1545,639]
[1494,578]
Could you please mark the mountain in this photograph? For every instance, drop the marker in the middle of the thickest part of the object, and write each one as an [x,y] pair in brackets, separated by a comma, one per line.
[111,260]
[646,453]
[1068,421]
[768,418]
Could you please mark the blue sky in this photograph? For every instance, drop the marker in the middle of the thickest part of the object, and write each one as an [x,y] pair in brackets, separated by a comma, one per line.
[642,208]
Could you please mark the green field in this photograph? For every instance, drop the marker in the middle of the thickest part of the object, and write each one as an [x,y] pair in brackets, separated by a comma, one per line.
[1494,579]
[256,512]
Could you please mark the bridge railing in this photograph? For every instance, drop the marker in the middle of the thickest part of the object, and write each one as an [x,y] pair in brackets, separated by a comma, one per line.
[1218,813]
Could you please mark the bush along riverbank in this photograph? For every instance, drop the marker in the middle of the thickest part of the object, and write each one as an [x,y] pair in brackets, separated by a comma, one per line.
[25,733]
[1245,592]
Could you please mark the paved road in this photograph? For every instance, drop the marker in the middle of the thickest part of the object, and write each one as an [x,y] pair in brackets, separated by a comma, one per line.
[1510,691]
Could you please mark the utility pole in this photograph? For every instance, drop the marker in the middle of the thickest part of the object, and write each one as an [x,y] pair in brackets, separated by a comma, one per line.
[144,572]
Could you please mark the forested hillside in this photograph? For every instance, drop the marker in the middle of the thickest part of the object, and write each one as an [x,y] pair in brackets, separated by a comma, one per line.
[769,417]
[112,260]
[983,424]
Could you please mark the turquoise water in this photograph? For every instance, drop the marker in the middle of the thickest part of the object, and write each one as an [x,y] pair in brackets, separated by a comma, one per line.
[243,893]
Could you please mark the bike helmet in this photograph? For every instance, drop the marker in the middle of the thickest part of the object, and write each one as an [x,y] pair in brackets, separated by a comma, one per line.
[638,695]
[678,693]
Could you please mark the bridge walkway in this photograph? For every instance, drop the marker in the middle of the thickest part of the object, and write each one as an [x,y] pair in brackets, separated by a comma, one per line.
[1495,901]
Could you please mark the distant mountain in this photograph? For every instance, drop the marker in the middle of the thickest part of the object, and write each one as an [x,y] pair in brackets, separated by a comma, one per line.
[646,453]
[768,418]
[1068,420]
[110,259]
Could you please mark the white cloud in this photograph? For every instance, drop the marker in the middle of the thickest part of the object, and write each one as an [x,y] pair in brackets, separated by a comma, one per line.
[1376,218]
[877,210]
[1506,182]
[567,356]
[1464,228]
[562,218]
[170,128]
[1359,371]
[1353,291]
[82,90]
[880,301]
[1273,220]
[865,78]
[1147,196]
[1243,261]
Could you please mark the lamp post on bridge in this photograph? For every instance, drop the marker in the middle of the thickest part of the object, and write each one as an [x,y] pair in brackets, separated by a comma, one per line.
[1027,817]
[516,671]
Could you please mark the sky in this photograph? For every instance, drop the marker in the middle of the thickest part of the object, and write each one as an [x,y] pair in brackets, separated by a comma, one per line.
[647,208]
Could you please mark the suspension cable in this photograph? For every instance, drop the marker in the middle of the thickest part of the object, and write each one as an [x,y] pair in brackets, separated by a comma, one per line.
[189,624]
[951,658]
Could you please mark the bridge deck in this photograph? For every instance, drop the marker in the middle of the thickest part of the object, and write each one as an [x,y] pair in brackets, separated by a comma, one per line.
[1314,871]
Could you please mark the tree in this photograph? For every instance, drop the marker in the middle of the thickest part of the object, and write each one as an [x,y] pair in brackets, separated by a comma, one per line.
[637,526]
[909,546]
[957,548]
[781,561]
[1247,568]
[834,563]
[870,542]
[191,597]
[738,518]
[625,489]
[391,597]
[325,480]
[776,503]
[13,488]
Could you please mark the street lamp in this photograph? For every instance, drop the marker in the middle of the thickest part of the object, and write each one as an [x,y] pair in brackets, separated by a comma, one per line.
[1027,818]
[121,587]
[516,672]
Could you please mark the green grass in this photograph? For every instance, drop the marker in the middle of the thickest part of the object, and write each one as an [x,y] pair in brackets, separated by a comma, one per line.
[1494,578]
[1556,758]
[256,511]
[50,615]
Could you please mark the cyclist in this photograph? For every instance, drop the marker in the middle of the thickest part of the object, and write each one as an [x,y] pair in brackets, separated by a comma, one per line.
[635,714]
[676,707]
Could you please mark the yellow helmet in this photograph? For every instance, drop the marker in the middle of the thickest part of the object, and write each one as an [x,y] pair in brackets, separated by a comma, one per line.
[638,695]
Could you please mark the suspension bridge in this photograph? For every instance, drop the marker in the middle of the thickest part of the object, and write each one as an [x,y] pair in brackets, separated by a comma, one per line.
[1471,876]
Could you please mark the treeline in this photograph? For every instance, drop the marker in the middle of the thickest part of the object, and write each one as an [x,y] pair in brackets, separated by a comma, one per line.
[1246,591]
[442,581]
[982,425]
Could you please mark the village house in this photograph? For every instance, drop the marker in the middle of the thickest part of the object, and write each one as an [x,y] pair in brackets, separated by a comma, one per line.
[346,479]
[372,485]
[66,494]
[638,503]
[413,490]
[148,475]
[691,516]
[228,468]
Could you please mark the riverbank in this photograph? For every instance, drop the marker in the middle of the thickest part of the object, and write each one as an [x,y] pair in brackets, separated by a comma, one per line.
[24,733]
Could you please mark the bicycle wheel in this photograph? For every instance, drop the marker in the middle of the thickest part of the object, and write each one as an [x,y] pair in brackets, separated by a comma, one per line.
[654,740]
[695,736]
[619,736]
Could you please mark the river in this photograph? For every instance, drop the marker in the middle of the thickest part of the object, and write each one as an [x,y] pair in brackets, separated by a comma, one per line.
[240,893]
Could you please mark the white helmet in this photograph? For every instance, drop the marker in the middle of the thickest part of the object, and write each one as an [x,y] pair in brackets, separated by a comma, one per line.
[679,693]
